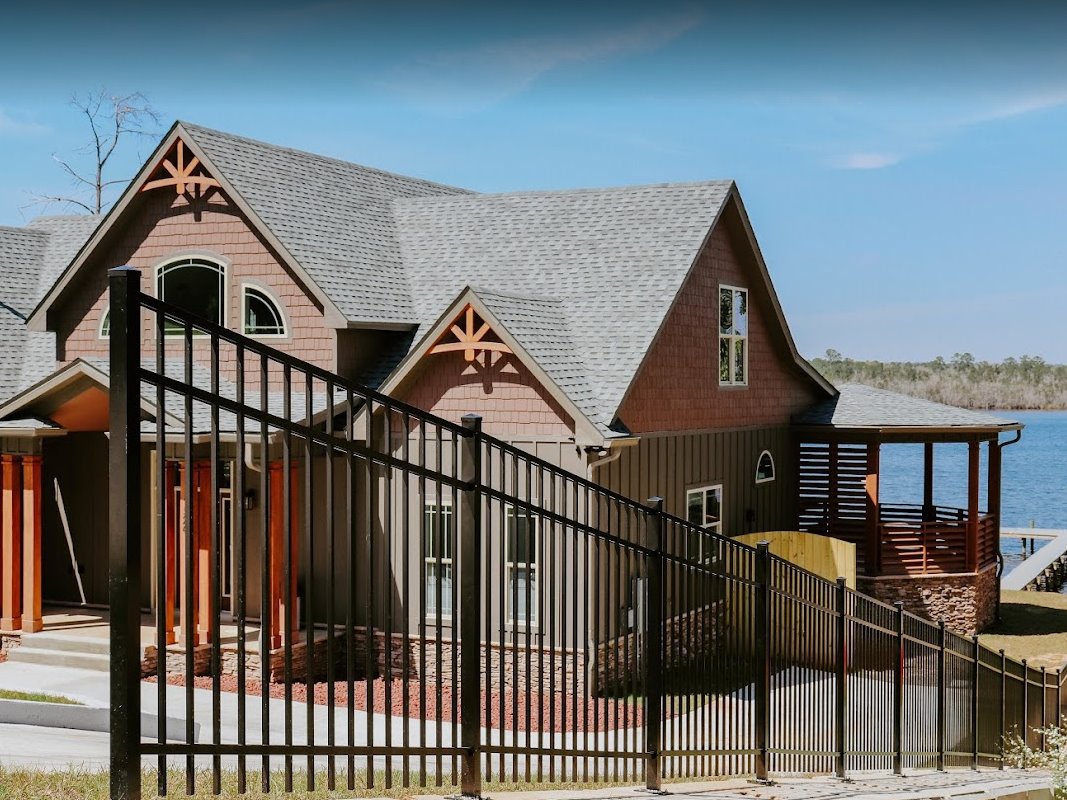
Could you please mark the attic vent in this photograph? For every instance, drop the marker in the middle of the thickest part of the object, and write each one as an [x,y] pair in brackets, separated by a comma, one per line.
[470,338]
[175,171]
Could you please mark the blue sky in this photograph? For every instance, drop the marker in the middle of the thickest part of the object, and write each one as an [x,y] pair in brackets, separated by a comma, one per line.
[904,169]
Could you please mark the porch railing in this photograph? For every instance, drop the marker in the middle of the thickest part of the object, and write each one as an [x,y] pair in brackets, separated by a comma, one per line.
[469,612]
[918,540]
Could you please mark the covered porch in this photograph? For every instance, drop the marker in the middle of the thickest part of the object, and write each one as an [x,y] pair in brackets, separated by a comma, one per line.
[940,560]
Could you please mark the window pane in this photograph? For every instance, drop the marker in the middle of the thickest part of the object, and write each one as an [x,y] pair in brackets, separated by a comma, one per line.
[194,286]
[523,595]
[741,313]
[726,311]
[739,361]
[712,506]
[522,545]
[695,508]
[724,360]
[262,317]
[765,467]
[105,325]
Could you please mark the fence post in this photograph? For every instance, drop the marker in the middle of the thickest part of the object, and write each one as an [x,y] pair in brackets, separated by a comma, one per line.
[763,657]
[898,699]
[942,691]
[654,647]
[841,704]
[124,548]
[1026,703]
[470,521]
[1003,705]
[977,651]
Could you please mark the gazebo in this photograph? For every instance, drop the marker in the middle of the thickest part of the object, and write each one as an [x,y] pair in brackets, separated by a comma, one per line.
[941,561]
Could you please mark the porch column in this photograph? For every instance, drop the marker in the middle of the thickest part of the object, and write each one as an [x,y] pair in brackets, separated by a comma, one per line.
[202,522]
[973,469]
[170,545]
[31,544]
[872,546]
[187,523]
[11,543]
[928,482]
[282,600]
[993,484]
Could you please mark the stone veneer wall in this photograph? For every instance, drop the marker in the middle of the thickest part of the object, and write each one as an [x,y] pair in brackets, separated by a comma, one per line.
[560,670]
[966,602]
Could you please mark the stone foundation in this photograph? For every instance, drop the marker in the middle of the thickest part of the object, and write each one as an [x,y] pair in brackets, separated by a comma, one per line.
[967,603]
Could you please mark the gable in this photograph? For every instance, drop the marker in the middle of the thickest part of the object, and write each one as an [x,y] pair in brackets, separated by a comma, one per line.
[677,387]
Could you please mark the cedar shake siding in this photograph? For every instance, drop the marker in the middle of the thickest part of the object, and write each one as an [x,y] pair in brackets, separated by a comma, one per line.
[161,226]
[512,402]
[677,387]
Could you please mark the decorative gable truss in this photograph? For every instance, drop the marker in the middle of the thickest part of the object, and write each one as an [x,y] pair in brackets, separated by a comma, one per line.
[471,338]
[182,170]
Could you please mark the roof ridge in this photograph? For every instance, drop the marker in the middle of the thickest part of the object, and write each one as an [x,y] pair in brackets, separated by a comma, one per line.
[724,182]
[24,229]
[482,291]
[192,127]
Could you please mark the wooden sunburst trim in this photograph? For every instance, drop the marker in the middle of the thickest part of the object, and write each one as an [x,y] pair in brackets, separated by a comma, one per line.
[469,339]
[182,175]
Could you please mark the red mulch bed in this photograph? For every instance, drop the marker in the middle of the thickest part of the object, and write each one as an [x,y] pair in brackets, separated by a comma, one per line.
[3,656]
[608,713]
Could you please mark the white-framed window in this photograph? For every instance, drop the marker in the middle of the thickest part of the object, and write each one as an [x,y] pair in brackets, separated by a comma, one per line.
[733,336]
[104,330]
[438,540]
[194,284]
[765,467]
[521,542]
[703,508]
[261,313]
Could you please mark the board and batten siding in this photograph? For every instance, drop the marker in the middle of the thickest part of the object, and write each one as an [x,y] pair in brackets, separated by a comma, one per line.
[667,465]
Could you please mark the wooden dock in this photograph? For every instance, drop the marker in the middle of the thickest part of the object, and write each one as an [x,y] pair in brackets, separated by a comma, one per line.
[1046,569]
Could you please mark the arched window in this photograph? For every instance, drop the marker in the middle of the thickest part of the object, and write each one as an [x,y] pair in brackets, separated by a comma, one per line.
[262,315]
[765,467]
[195,285]
[105,323]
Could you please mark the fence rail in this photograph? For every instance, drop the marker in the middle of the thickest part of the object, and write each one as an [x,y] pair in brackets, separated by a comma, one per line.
[349,590]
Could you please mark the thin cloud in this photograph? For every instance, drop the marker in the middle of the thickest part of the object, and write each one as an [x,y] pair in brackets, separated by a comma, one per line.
[15,127]
[487,75]
[867,160]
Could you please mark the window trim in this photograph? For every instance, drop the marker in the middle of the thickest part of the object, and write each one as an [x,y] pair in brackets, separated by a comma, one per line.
[104,318]
[273,298]
[427,560]
[714,528]
[223,266]
[532,567]
[731,336]
[774,468]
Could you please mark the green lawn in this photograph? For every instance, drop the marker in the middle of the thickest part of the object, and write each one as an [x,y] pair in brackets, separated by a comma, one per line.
[85,785]
[1033,626]
[37,697]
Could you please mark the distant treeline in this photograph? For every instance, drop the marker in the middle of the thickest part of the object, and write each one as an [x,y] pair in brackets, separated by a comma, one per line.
[1026,382]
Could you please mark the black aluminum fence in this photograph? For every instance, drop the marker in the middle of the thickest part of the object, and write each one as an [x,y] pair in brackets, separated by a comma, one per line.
[362,594]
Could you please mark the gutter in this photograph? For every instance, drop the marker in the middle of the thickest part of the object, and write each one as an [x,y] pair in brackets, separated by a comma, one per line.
[609,452]
[1000,556]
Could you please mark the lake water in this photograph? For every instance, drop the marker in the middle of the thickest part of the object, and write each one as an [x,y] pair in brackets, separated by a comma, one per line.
[1034,487]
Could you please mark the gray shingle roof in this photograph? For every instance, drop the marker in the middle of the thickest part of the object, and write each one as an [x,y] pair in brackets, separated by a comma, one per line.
[612,261]
[31,259]
[540,325]
[335,218]
[861,406]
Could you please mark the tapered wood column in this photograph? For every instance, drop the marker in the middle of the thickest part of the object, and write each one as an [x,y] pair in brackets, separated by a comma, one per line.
[31,544]
[974,463]
[11,544]
[872,556]
[202,516]
[187,524]
[282,601]
[170,545]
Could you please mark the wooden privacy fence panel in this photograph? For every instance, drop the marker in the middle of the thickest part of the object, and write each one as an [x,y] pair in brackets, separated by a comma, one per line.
[374,596]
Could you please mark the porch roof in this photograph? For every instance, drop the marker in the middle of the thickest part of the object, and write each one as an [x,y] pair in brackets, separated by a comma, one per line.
[864,408]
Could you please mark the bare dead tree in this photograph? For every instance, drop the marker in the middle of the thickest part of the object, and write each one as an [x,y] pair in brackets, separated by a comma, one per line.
[111,119]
